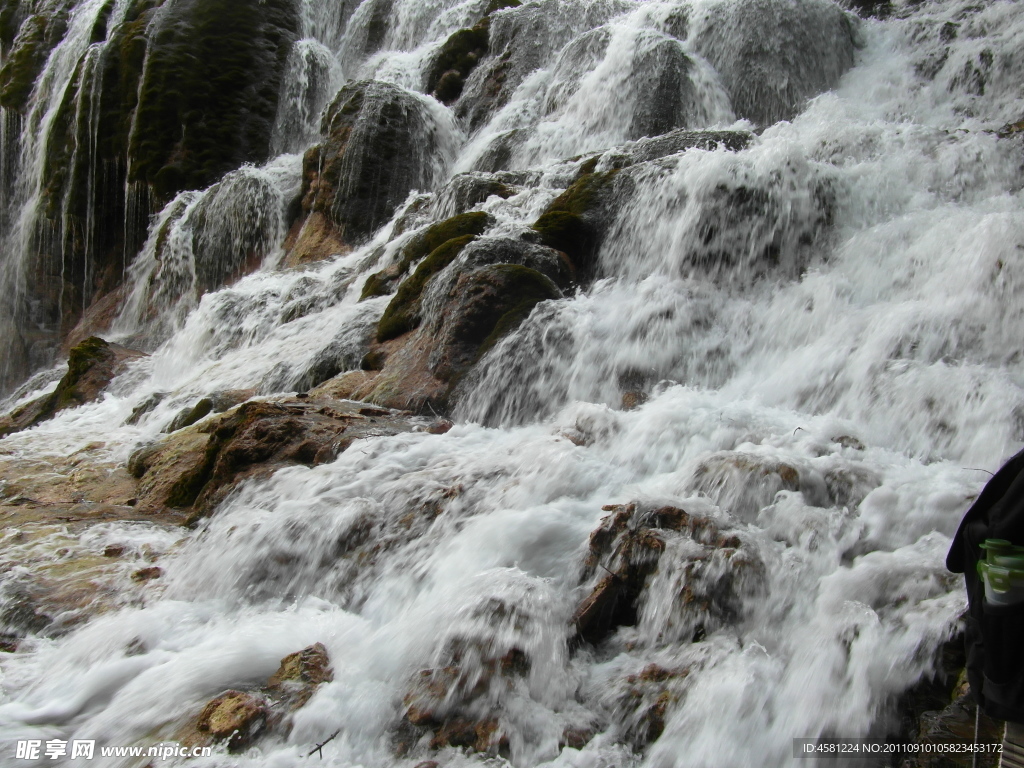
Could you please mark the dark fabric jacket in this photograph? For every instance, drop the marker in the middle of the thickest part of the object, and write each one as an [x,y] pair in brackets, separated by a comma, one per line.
[994,635]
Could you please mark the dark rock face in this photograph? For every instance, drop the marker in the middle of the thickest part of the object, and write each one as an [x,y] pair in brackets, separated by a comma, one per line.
[171,98]
[574,222]
[197,467]
[457,57]
[382,142]
[773,55]
[209,99]
[28,41]
[92,365]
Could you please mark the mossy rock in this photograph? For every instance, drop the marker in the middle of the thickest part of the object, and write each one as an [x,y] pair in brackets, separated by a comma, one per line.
[403,313]
[209,97]
[459,54]
[525,289]
[36,37]
[425,243]
[92,365]
[570,223]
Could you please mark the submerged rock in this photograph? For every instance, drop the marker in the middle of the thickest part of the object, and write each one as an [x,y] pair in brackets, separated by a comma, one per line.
[522,39]
[92,365]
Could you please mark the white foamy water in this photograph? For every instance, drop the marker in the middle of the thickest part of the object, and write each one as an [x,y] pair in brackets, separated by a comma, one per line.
[836,307]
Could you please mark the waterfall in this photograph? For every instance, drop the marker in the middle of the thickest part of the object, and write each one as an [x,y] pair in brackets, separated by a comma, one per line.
[682,332]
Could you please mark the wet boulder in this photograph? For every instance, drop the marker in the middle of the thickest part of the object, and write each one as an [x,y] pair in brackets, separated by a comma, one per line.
[706,582]
[465,191]
[655,95]
[381,143]
[645,699]
[523,39]
[239,719]
[92,365]
[235,718]
[299,675]
[456,58]
[218,402]
[457,305]
[774,55]
[575,222]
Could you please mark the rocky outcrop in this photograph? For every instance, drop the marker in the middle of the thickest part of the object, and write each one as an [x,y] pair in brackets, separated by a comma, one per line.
[218,402]
[92,365]
[28,40]
[299,675]
[381,143]
[774,55]
[195,468]
[420,252]
[210,91]
[172,97]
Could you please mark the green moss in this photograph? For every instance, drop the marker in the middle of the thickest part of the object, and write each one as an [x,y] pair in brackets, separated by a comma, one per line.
[402,314]
[26,61]
[81,358]
[564,226]
[11,16]
[436,235]
[425,243]
[375,285]
[459,54]
[524,288]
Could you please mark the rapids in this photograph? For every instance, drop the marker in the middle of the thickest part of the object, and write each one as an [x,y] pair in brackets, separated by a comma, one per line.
[863,329]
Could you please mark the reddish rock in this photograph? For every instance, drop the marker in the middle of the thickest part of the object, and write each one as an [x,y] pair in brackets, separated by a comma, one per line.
[299,675]
[235,717]
[147,574]
[625,551]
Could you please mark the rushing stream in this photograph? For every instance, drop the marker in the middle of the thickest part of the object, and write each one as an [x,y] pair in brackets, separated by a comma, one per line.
[842,298]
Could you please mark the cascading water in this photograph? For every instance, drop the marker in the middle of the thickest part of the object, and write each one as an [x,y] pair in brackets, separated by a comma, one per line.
[786,355]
